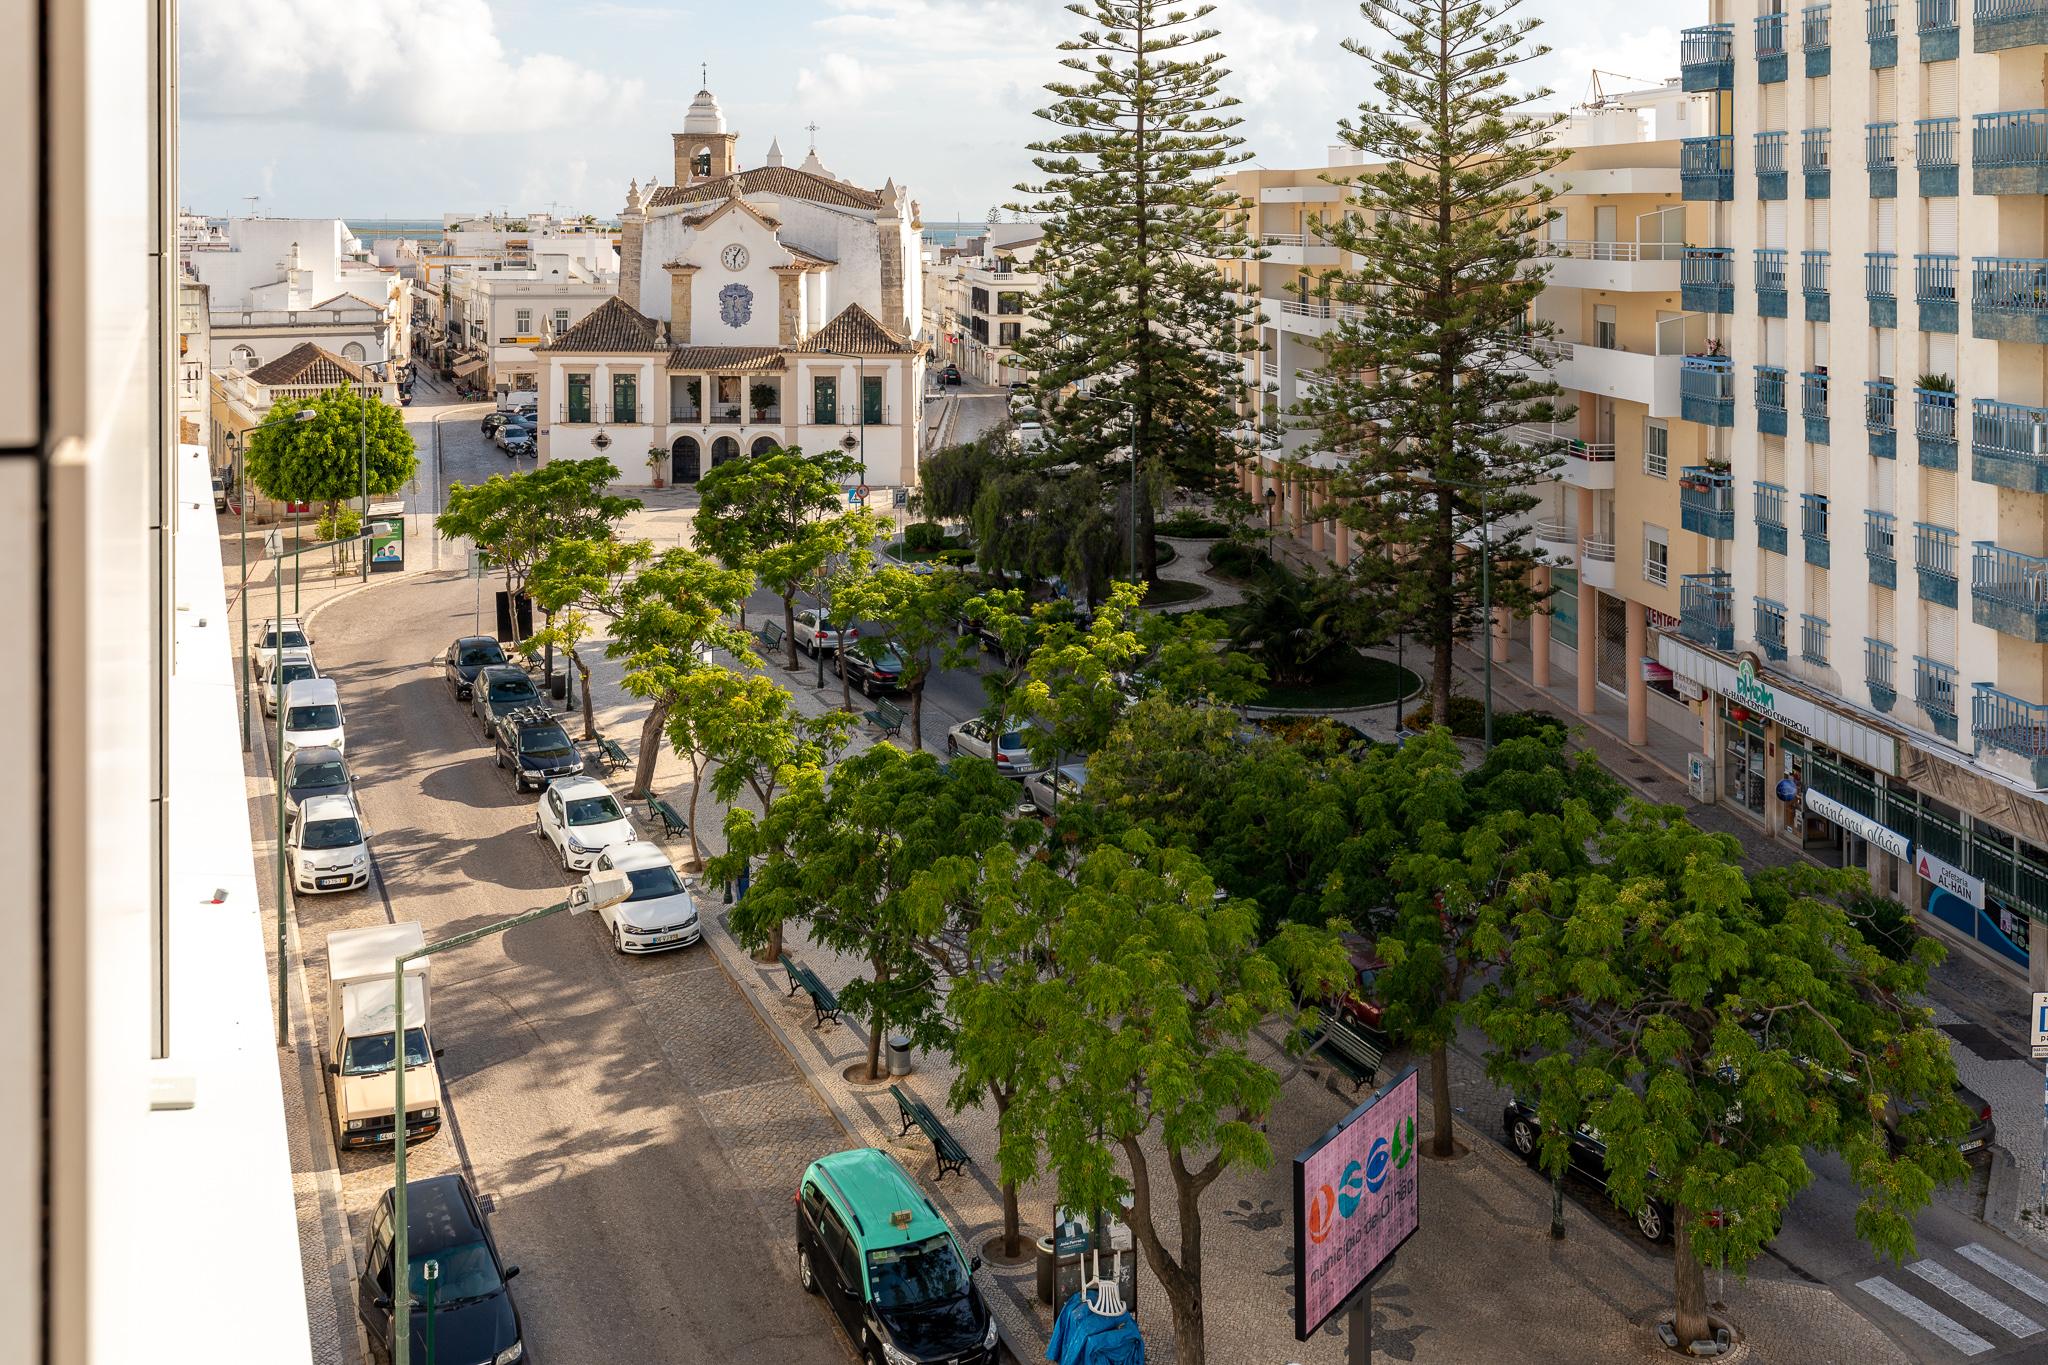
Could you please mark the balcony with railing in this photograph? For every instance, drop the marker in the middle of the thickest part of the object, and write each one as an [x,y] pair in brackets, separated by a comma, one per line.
[1934,289]
[1706,57]
[1706,387]
[2009,299]
[1587,464]
[2009,152]
[1881,287]
[1814,40]
[1707,279]
[1298,248]
[1771,281]
[1881,547]
[1556,534]
[1881,27]
[1880,417]
[2009,592]
[1771,66]
[1934,424]
[2012,725]
[1940,31]
[1770,629]
[1706,502]
[1596,562]
[1934,689]
[2004,24]
[1770,399]
[1813,405]
[1706,168]
[2009,445]
[1813,639]
[1934,560]
[1813,284]
[1881,159]
[1936,142]
[1770,517]
[1880,668]
[1816,161]
[1631,267]
[1813,527]
[1706,609]
[1770,165]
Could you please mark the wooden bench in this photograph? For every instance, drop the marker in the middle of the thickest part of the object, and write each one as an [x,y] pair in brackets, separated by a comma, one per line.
[610,754]
[823,1002]
[914,1112]
[673,825]
[887,717]
[771,635]
[1351,1050]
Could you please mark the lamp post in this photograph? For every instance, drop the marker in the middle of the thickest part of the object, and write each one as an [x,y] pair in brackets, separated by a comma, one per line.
[237,443]
[606,890]
[1131,415]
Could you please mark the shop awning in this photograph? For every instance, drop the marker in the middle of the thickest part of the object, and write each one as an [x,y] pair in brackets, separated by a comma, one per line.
[469,365]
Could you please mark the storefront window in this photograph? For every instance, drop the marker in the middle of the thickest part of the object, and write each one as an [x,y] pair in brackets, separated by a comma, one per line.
[1743,775]
[1564,606]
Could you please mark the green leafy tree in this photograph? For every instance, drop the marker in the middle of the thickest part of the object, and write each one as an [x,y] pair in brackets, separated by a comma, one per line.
[1715,1025]
[949,481]
[672,614]
[515,519]
[1299,626]
[1142,1023]
[1135,216]
[323,458]
[698,697]
[577,583]
[1428,375]
[763,514]
[1188,659]
[839,576]
[918,614]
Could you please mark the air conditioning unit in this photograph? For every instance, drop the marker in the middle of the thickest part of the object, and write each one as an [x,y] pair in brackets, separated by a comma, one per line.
[1699,778]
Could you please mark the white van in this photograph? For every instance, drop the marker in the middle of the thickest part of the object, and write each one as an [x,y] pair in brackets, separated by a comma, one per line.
[312,715]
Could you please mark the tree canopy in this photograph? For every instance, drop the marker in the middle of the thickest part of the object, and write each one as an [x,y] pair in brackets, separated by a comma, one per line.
[322,458]
[515,519]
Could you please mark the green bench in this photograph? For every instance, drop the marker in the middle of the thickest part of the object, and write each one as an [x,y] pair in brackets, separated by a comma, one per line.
[671,821]
[823,1002]
[1351,1050]
[887,717]
[771,635]
[610,754]
[916,1113]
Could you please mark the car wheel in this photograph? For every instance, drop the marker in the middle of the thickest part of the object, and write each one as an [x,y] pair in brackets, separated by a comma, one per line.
[498,762]
[619,940]
[952,747]
[563,851]
[1523,1136]
[806,1276]
[1651,1222]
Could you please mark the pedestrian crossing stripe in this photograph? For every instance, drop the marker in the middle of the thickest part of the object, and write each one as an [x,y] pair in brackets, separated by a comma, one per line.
[2019,1277]
[1975,1299]
[1933,1321]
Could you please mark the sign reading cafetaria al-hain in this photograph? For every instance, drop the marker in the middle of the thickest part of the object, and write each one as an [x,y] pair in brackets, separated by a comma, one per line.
[1356,1200]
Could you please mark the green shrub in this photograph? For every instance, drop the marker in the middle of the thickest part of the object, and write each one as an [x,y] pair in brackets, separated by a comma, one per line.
[958,559]
[1244,561]
[923,537]
[1188,524]
[1468,717]
[1524,724]
[1884,924]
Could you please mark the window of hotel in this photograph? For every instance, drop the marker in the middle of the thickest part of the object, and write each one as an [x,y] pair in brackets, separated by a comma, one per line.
[871,400]
[579,398]
[1656,448]
[625,398]
[1656,555]
[825,400]
[561,321]
[522,322]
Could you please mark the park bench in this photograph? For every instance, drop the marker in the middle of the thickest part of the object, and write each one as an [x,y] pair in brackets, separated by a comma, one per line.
[1351,1050]
[610,754]
[887,717]
[673,825]
[952,1156]
[771,635]
[823,1002]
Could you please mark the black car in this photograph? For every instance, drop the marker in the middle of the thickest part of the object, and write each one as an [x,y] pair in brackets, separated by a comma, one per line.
[1588,1158]
[494,420]
[498,689]
[533,744]
[950,375]
[315,771]
[466,658]
[1902,1130]
[883,672]
[473,1316]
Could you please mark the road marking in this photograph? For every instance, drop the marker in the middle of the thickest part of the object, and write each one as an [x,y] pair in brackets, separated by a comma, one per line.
[1975,1299]
[1939,1324]
[2019,1277]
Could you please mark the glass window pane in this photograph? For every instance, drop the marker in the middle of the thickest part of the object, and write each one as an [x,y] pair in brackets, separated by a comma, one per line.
[824,400]
[871,400]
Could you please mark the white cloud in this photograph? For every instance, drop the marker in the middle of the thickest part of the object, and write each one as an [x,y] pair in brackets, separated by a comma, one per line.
[434,66]
[840,79]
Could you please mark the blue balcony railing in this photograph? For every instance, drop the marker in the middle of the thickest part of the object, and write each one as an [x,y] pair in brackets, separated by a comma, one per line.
[1934,560]
[1934,688]
[1881,159]
[1881,27]
[2003,721]
[1880,667]
[1880,405]
[1706,167]
[1706,609]
[1934,425]
[1813,26]
[2009,445]
[1881,275]
[1770,517]
[1816,150]
[1706,502]
[1769,392]
[1813,527]
[1881,547]
[2004,24]
[1934,289]
[1813,393]
[2009,592]
[1940,36]
[1706,279]
[1813,283]
[1770,164]
[1706,57]
[1706,390]
[1934,141]
[2009,299]
[1770,628]
[1770,35]
[2011,138]
[1813,639]
[1770,269]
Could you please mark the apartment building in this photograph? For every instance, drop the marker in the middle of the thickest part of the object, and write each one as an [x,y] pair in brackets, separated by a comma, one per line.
[1892,659]
[497,315]
[980,300]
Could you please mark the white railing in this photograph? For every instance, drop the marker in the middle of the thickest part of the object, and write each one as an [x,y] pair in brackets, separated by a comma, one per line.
[1656,571]
[1549,350]
[1538,433]
[1555,531]
[1303,310]
[1591,452]
[1283,239]
[1597,550]
[1618,251]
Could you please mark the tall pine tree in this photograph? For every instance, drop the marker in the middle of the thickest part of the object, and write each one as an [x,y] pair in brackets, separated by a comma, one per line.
[1429,372]
[1135,217]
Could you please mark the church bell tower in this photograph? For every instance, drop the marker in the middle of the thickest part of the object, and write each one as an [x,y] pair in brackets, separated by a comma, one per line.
[704,150]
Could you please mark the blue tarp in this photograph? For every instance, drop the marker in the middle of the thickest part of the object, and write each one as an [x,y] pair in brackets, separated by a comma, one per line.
[1081,1337]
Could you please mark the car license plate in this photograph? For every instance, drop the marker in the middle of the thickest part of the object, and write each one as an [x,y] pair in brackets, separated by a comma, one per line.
[666,938]
[1972,1145]
[331,881]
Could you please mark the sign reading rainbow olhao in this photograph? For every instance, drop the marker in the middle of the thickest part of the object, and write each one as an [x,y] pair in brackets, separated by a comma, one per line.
[1357,1198]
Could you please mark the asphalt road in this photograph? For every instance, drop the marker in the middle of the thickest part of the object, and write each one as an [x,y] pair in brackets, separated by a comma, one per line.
[636,1130]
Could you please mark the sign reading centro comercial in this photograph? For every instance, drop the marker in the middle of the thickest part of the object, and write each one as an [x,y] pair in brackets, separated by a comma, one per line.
[1356,1200]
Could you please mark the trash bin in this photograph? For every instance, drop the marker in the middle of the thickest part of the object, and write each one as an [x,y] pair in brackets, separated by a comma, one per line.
[558,685]
[1069,1272]
[899,1054]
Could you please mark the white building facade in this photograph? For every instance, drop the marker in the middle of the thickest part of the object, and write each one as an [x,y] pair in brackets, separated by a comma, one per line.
[276,283]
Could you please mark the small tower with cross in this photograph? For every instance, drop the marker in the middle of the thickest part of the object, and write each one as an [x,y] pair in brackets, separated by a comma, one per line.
[704,149]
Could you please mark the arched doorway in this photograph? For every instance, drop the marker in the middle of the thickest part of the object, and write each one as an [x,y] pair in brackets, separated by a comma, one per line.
[723,449]
[762,445]
[686,461]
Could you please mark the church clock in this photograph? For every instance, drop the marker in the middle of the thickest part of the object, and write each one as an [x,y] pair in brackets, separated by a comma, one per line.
[735,257]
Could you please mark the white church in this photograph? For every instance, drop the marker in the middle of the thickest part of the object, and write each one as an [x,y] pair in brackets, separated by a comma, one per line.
[756,308]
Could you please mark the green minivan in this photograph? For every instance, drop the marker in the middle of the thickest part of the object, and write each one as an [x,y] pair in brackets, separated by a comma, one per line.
[869,1241]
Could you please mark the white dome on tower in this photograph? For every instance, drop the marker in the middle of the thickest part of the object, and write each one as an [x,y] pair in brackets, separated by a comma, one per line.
[705,116]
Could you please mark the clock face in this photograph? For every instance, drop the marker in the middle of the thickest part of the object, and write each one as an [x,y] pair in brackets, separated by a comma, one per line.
[735,257]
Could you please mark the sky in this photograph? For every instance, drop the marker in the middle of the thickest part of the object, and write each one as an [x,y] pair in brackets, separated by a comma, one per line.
[415,108]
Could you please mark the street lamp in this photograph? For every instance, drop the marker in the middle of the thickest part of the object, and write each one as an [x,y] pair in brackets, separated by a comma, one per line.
[605,890]
[1272,503]
[236,443]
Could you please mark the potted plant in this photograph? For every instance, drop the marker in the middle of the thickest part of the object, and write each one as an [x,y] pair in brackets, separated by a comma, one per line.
[1936,383]
[763,396]
[656,458]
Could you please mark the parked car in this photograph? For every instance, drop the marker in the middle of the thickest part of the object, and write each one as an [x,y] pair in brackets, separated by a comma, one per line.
[220,493]
[274,635]
[893,1272]
[466,658]
[315,770]
[312,716]
[1010,751]
[1588,1158]
[473,1316]
[499,688]
[533,744]
[494,420]
[950,375]
[294,665]
[511,429]
[660,914]
[817,635]
[1362,1002]
[1981,1133]
[1030,435]
[327,848]
[1056,787]
[876,674]
[581,818]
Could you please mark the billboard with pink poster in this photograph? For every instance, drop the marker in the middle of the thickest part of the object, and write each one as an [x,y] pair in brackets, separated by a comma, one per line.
[1357,1199]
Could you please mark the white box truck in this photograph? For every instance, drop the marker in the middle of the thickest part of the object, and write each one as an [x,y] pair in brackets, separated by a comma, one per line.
[361,1004]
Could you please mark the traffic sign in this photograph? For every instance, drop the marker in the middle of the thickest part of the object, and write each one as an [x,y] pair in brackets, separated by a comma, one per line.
[2041,1026]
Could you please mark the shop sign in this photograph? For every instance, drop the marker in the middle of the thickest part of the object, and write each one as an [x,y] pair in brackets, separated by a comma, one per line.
[1950,878]
[1862,826]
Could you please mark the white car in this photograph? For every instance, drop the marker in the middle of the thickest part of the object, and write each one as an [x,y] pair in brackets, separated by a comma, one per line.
[1009,751]
[274,635]
[296,665]
[660,914]
[1056,787]
[1030,435]
[581,818]
[815,635]
[327,847]
[312,715]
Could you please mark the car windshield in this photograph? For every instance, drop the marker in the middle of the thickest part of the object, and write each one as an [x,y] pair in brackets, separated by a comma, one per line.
[514,689]
[323,716]
[326,773]
[543,739]
[369,1054]
[652,883]
[297,672]
[480,655]
[467,1272]
[594,810]
[340,833]
[922,1272]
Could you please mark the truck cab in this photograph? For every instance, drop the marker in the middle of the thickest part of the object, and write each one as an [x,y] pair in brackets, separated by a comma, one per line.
[361,1009]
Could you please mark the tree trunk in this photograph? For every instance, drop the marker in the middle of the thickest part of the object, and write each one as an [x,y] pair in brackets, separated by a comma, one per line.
[1443,1142]
[1689,1281]
[650,749]
[1440,684]
[789,628]
[1013,1241]
[697,767]
[917,724]
[881,1023]
[1183,1291]
[589,712]
[845,683]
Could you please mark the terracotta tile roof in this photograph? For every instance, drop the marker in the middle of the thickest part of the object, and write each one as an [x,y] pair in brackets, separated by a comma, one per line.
[784,182]
[856,331]
[725,358]
[305,366]
[613,325]
[807,257]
